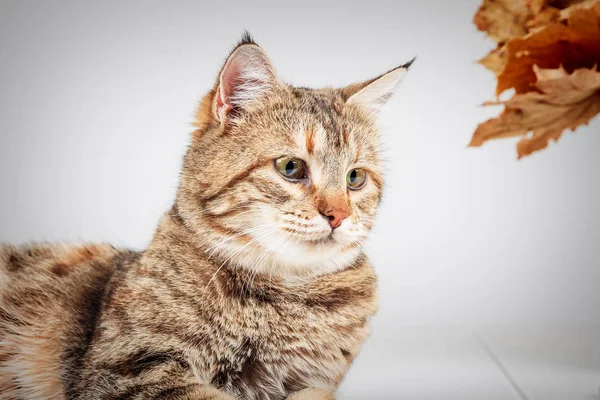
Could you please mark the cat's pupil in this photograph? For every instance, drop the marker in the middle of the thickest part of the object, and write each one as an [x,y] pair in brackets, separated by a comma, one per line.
[289,167]
[352,176]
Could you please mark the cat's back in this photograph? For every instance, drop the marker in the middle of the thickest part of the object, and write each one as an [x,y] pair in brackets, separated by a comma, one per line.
[50,296]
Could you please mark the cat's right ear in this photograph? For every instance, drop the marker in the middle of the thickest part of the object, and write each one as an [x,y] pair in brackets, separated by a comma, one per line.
[246,77]
[373,94]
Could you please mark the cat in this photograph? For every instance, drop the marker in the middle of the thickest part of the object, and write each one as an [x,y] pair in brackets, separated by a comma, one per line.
[255,284]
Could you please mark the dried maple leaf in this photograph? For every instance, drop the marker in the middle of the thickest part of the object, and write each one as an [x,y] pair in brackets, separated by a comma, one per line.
[496,60]
[543,18]
[503,19]
[573,42]
[536,6]
[572,4]
[542,13]
[547,11]
[564,101]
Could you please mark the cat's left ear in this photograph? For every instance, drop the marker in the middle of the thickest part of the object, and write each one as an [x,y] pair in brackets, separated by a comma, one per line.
[247,76]
[373,94]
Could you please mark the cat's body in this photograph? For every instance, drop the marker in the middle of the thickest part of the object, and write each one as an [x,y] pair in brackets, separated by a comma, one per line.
[219,306]
[101,323]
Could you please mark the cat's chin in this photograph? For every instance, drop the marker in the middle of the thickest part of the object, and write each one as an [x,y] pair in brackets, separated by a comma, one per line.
[320,242]
[315,262]
[298,258]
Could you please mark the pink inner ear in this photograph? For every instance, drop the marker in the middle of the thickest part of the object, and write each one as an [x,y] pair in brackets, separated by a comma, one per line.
[230,78]
[222,108]
[246,76]
[227,86]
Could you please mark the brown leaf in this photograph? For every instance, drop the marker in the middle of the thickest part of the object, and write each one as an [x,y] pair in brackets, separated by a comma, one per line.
[523,16]
[496,60]
[573,42]
[544,11]
[503,19]
[564,4]
[567,7]
[564,101]
[543,18]
[536,6]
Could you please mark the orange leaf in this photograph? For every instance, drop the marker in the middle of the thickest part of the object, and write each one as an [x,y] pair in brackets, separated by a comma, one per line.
[536,6]
[503,19]
[563,101]
[496,60]
[567,6]
[544,17]
[573,42]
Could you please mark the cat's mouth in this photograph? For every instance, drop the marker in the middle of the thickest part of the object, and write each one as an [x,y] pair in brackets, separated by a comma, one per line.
[325,239]
[322,241]
[311,235]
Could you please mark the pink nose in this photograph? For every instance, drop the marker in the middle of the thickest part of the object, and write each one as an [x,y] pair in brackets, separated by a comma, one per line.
[335,216]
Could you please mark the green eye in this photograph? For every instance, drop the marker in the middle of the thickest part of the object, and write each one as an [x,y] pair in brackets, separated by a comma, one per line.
[292,169]
[356,178]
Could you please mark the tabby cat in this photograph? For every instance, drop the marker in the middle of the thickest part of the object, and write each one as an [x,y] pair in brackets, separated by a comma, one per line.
[254,286]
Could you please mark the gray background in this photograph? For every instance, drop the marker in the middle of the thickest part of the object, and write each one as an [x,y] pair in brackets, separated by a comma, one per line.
[96,104]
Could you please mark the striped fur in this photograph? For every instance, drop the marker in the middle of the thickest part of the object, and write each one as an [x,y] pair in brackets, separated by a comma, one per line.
[245,291]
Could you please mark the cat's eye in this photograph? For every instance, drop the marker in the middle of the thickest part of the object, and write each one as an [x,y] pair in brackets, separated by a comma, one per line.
[356,178]
[292,169]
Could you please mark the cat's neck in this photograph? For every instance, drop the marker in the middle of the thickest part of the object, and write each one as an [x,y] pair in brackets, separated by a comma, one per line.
[176,245]
[174,237]
[181,261]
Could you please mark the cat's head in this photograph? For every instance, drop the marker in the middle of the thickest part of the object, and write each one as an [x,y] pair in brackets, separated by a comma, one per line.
[284,180]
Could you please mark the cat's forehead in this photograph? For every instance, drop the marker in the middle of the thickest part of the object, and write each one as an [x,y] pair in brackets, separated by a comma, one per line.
[320,121]
[324,105]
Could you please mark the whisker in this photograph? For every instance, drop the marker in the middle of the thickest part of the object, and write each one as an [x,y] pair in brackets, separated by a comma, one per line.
[238,251]
[215,246]
[263,256]
[273,261]
[207,211]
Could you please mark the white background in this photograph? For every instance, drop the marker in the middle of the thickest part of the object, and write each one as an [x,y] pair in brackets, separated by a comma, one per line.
[97,100]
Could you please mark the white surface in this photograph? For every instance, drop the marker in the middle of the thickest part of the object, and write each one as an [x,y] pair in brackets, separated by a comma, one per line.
[425,363]
[535,363]
[550,363]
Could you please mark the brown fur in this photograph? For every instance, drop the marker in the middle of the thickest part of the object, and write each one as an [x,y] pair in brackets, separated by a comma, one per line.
[212,309]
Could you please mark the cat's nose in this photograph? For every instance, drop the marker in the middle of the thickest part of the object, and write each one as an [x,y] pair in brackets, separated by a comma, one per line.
[335,216]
